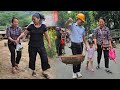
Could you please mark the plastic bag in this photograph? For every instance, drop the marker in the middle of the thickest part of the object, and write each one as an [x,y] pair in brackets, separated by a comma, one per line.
[19,47]
[112,54]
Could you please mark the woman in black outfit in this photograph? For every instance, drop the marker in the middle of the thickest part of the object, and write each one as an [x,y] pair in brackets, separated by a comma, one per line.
[37,30]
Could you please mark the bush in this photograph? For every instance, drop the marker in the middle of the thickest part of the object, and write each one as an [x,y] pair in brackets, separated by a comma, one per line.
[51,52]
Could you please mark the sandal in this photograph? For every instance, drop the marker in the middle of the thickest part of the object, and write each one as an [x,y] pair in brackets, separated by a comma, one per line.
[34,74]
[17,68]
[13,71]
[46,74]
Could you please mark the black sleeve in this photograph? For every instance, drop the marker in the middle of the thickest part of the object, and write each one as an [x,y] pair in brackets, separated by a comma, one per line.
[29,27]
[45,27]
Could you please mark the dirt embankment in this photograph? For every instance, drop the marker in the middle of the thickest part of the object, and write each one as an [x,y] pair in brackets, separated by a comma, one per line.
[25,72]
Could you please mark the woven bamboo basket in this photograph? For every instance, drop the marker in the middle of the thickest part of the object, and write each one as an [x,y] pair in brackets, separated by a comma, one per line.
[73,59]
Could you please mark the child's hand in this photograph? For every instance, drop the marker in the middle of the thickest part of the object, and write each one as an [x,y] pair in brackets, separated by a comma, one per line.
[86,47]
[70,20]
[96,47]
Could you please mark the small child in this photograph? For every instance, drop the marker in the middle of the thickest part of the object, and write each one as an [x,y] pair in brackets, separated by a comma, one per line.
[90,56]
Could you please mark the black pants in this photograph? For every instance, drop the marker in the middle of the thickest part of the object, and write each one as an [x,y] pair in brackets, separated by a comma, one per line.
[43,55]
[106,56]
[59,49]
[76,49]
[14,59]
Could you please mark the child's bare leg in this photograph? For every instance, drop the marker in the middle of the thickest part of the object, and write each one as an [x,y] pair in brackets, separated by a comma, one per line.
[87,64]
[91,63]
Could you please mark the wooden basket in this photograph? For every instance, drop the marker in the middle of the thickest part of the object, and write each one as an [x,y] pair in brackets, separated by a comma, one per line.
[73,59]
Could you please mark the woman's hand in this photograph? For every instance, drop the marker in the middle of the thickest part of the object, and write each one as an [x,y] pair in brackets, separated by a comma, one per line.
[110,46]
[17,41]
[86,47]
[49,46]
[70,20]
[96,47]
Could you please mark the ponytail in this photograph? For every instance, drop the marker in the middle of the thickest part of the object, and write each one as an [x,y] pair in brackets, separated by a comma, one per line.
[41,16]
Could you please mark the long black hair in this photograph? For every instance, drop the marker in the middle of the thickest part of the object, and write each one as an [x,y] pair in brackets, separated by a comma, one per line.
[38,15]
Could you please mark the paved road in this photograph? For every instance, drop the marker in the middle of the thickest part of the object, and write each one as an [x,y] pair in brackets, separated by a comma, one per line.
[63,71]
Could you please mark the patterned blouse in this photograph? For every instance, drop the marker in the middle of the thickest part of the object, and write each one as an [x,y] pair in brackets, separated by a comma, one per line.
[13,33]
[102,34]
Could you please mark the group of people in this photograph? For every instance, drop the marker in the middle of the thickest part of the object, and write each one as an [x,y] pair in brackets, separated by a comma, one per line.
[60,41]
[37,31]
[101,36]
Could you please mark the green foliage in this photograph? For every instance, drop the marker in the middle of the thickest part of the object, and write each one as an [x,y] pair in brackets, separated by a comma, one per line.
[6,17]
[63,16]
[51,52]
[2,27]
[90,21]
[110,16]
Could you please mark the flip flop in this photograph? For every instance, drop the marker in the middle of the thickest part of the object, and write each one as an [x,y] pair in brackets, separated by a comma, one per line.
[46,76]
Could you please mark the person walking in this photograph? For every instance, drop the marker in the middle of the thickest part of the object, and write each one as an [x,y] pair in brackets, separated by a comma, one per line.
[37,31]
[13,32]
[58,41]
[102,40]
[77,36]
[90,56]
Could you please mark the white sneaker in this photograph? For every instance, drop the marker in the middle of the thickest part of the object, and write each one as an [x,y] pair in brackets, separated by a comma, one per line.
[74,76]
[79,74]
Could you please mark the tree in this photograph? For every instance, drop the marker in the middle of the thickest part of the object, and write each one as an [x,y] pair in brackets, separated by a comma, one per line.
[62,17]
[111,17]
[6,16]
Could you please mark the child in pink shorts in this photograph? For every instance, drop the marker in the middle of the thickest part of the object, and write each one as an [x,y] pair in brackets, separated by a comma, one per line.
[90,56]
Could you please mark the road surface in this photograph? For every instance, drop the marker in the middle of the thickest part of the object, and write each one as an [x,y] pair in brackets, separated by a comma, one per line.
[63,71]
